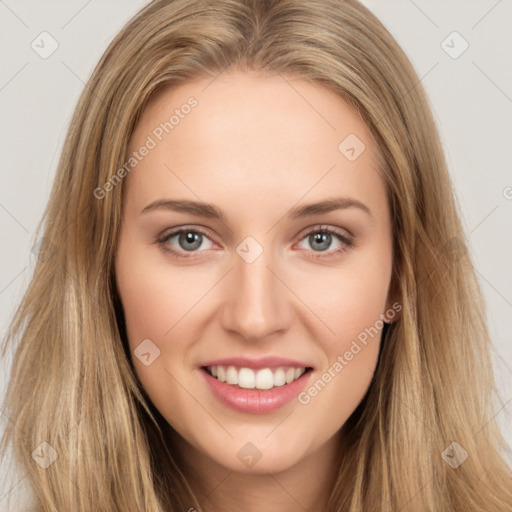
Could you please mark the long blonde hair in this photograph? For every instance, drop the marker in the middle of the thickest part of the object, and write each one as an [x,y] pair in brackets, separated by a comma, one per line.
[73,385]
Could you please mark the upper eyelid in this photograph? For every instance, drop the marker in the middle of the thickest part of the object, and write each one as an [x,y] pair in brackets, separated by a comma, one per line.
[326,227]
[171,233]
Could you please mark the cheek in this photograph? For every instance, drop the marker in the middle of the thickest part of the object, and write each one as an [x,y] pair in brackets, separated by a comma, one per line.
[353,312]
[156,297]
[356,309]
[351,300]
[157,300]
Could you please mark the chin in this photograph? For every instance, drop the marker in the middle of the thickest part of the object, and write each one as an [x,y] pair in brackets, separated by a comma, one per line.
[247,458]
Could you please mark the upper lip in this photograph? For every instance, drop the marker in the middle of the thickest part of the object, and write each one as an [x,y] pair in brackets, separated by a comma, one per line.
[256,364]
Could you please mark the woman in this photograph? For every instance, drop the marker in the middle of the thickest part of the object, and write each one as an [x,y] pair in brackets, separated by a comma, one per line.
[204,352]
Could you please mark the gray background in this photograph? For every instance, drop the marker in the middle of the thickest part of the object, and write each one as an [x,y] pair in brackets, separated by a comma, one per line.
[471,97]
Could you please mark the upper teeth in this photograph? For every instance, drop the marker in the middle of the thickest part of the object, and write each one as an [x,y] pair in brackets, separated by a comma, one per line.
[265,378]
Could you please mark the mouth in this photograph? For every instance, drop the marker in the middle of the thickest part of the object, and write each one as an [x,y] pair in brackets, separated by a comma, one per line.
[259,379]
[255,386]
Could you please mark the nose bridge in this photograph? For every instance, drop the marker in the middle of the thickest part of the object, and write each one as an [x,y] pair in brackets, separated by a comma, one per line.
[257,301]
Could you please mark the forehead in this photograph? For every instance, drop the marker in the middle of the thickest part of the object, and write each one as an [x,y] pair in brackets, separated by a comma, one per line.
[267,139]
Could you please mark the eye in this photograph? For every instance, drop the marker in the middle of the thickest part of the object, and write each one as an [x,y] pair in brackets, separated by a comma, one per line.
[187,240]
[322,237]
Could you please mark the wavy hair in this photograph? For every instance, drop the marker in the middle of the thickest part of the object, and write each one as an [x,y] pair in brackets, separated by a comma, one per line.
[72,383]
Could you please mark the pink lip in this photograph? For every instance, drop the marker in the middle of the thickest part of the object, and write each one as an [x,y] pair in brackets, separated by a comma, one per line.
[256,364]
[254,401]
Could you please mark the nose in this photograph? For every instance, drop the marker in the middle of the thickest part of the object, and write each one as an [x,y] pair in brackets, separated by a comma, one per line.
[258,304]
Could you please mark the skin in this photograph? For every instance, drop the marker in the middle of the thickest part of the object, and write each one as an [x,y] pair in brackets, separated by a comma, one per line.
[255,146]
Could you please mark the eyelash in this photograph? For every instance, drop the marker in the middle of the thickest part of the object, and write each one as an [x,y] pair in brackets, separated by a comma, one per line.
[347,242]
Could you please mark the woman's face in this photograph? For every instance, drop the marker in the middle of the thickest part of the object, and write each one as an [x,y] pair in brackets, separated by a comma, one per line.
[254,290]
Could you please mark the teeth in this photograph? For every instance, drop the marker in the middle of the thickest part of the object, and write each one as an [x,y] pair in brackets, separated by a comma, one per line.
[279,377]
[247,378]
[265,379]
[231,375]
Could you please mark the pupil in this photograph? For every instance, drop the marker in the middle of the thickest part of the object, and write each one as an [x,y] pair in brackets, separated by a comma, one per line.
[323,239]
[190,238]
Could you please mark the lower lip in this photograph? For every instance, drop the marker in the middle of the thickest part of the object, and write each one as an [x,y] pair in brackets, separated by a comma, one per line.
[255,401]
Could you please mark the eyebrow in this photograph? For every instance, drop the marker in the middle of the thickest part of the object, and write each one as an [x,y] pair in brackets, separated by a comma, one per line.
[211,211]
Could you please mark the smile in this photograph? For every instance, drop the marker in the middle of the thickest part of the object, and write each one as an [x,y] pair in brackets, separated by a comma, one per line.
[255,386]
[247,378]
